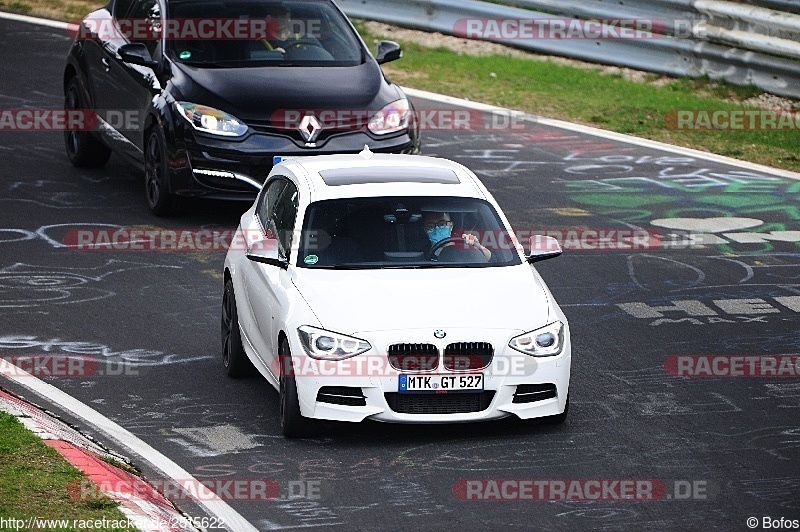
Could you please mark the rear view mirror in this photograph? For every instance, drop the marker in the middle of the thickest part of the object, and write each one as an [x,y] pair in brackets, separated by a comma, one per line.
[543,247]
[136,53]
[388,51]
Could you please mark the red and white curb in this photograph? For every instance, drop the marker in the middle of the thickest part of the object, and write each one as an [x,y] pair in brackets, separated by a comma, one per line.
[138,501]
[216,508]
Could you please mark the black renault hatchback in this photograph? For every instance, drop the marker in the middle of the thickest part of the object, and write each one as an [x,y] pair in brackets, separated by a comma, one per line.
[203,93]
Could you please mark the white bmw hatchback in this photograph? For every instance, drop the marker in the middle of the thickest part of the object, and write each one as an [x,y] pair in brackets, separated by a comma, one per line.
[391,288]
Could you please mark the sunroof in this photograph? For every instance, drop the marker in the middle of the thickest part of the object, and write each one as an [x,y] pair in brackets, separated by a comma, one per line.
[388,174]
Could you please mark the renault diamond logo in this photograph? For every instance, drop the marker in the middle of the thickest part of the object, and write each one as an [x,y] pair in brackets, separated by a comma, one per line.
[438,333]
[309,128]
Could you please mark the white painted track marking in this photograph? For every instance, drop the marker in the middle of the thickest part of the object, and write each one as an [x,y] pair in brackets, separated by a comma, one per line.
[602,133]
[207,499]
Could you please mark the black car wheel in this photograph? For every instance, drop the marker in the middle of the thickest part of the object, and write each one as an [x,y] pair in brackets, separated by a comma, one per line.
[83,149]
[293,424]
[156,171]
[234,359]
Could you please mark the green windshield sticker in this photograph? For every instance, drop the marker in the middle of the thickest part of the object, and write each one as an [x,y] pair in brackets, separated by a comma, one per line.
[311,259]
[186,54]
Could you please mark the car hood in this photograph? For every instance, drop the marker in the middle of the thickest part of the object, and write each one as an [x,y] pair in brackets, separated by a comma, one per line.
[255,93]
[351,301]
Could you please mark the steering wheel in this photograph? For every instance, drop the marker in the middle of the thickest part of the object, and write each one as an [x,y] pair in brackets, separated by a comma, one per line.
[442,243]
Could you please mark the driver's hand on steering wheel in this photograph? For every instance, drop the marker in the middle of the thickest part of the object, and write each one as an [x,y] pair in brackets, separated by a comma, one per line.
[472,240]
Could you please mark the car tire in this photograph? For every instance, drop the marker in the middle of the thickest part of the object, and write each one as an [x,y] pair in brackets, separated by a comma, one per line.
[293,424]
[156,174]
[84,150]
[558,419]
[234,359]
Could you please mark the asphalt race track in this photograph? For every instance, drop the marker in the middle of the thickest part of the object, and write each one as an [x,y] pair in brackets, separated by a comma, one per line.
[703,451]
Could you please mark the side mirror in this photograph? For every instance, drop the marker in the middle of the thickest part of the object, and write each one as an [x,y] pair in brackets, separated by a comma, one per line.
[136,53]
[543,247]
[265,251]
[388,51]
[260,247]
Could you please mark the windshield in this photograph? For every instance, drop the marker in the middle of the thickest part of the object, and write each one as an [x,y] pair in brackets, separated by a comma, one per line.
[220,33]
[404,232]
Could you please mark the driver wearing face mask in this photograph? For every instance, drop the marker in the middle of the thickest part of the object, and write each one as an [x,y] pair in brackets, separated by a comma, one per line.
[439,227]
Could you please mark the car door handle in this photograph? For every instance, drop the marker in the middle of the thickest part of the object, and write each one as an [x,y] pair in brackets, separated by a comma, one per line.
[106,66]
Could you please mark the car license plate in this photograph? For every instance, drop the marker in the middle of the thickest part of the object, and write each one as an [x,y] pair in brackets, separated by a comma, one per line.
[440,383]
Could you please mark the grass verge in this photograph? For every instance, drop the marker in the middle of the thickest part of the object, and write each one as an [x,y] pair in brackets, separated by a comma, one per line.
[594,98]
[567,92]
[36,482]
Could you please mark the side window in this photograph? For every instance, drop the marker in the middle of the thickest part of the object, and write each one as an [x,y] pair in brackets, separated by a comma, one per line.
[284,216]
[121,8]
[277,211]
[266,203]
[147,14]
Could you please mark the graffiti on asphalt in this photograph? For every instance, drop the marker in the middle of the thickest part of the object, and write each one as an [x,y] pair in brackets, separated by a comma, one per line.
[671,404]
[681,194]
[747,288]
[132,357]
[26,285]
[51,234]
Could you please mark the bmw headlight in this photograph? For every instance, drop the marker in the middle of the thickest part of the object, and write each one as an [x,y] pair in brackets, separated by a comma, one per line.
[392,118]
[327,345]
[210,120]
[547,341]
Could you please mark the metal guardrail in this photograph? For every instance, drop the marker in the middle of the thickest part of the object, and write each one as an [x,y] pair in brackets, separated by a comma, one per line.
[669,12]
[788,6]
[751,27]
[683,47]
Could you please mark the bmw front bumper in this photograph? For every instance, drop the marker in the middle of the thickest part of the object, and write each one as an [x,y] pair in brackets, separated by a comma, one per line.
[514,384]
